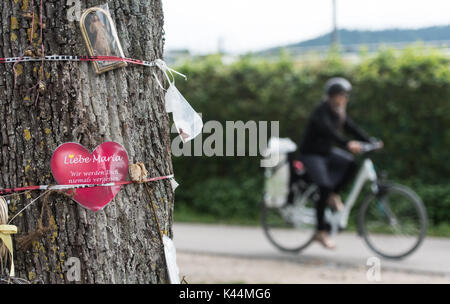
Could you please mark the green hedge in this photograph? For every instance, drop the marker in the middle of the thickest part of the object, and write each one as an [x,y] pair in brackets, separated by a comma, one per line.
[402,98]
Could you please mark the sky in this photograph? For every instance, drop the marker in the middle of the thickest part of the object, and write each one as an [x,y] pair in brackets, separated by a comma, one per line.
[239,26]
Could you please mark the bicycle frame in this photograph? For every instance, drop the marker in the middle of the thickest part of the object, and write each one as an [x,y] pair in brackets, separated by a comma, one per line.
[301,213]
[366,173]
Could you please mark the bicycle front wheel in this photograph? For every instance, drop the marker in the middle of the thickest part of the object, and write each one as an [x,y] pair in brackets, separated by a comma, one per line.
[393,222]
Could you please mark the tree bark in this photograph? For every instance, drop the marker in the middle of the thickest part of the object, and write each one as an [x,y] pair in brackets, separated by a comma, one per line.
[121,243]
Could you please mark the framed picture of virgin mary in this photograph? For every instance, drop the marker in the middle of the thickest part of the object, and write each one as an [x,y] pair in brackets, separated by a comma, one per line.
[101,38]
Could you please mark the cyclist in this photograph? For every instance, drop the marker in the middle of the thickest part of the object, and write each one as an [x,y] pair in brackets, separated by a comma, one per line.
[328,166]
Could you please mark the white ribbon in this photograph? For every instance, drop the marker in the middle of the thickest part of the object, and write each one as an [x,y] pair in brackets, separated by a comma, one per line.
[174,184]
[170,253]
[163,66]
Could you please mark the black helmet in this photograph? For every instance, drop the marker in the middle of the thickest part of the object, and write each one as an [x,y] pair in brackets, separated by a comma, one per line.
[337,85]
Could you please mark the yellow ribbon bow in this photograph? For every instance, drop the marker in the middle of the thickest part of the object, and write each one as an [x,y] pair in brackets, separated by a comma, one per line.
[5,236]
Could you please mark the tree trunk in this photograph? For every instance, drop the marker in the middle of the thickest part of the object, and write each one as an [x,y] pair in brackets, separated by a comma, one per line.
[121,243]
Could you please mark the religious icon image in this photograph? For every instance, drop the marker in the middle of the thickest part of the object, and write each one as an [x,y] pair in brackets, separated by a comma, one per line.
[101,38]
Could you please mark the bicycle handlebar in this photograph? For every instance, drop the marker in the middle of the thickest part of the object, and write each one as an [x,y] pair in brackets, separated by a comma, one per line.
[373,146]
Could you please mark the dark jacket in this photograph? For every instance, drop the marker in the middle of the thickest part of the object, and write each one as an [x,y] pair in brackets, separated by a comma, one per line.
[323,132]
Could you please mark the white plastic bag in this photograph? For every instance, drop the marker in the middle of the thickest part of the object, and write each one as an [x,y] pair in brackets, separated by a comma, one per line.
[188,122]
[277,176]
[277,185]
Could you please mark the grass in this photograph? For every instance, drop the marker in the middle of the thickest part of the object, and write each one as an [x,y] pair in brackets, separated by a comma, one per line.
[443,230]
[186,215]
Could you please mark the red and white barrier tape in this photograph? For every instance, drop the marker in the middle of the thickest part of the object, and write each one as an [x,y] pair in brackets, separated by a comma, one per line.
[78,186]
[77,58]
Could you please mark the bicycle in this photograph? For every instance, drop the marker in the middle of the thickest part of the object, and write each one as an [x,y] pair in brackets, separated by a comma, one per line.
[392,219]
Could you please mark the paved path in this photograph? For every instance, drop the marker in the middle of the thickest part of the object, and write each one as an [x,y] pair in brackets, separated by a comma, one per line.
[433,257]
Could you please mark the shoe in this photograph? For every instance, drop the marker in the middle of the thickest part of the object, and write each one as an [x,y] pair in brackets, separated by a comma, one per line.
[335,202]
[323,238]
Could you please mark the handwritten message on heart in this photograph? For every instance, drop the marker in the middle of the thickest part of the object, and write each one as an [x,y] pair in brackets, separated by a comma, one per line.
[73,164]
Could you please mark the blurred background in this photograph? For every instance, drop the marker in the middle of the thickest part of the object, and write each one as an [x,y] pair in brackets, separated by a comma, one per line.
[268,61]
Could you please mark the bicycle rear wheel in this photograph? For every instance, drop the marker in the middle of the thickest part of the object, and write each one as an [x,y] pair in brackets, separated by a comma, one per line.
[393,222]
[291,227]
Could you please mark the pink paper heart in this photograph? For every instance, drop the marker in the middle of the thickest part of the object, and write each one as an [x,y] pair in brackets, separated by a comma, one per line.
[73,164]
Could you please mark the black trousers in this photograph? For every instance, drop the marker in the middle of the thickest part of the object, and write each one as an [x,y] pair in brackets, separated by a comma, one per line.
[330,172]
